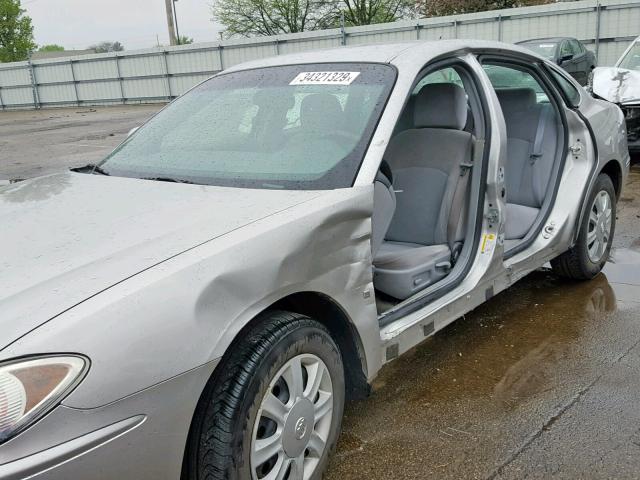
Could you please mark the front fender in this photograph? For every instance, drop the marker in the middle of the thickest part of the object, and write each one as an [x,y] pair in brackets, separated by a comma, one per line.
[186,311]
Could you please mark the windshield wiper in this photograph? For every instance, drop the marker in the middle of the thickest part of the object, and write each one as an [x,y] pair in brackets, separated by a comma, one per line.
[91,168]
[168,179]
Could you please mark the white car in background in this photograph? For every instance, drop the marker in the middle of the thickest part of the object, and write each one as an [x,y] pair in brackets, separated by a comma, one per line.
[621,85]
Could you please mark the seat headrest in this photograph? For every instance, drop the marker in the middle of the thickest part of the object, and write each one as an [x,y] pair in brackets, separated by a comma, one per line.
[440,105]
[516,99]
[321,111]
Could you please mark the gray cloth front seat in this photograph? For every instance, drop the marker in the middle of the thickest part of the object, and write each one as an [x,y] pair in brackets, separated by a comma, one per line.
[429,164]
[384,206]
[532,139]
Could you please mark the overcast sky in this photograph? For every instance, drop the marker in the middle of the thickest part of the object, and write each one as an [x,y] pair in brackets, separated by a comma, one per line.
[76,24]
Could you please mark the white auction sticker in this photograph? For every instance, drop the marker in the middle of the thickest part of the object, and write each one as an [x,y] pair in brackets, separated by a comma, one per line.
[324,78]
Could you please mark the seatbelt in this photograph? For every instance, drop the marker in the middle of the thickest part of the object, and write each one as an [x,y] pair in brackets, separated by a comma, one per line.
[536,150]
[457,220]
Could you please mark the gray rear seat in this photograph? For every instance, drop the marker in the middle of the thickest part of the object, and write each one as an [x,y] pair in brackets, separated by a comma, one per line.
[532,138]
[427,163]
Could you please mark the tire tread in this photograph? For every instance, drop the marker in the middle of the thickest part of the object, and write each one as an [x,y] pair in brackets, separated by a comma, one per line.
[223,397]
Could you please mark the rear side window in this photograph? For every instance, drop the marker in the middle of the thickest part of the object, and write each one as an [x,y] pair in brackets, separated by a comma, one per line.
[571,93]
[566,49]
[505,78]
[577,47]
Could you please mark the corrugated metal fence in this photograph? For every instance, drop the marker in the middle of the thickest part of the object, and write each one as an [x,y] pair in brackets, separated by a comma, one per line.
[142,76]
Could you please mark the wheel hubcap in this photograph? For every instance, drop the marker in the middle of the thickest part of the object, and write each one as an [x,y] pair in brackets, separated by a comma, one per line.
[599,229]
[293,422]
[296,432]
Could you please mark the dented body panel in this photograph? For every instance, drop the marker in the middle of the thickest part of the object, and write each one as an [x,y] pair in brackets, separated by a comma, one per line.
[195,303]
[621,85]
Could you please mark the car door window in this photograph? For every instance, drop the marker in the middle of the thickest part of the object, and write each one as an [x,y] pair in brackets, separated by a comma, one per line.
[576,47]
[571,93]
[565,49]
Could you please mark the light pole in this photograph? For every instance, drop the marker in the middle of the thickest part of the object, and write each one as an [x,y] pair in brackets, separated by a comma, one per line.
[172,29]
[175,21]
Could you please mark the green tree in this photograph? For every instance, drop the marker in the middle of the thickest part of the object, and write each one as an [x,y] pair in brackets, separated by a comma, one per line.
[271,17]
[184,40]
[434,8]
[106,47]
[368,12]
[51,48]
[16,32]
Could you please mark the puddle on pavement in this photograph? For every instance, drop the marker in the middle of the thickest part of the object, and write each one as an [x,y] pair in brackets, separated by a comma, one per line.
[506,349]
[506,363]
[460,403]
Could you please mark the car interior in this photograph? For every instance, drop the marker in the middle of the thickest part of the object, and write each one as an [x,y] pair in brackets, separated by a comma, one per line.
[535,142]
[422,190]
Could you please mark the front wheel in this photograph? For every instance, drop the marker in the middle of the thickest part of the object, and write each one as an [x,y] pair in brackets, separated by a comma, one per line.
[274,410]
[591,251]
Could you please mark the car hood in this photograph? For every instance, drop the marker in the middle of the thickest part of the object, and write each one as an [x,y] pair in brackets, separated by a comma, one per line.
[617,85]
[67,237]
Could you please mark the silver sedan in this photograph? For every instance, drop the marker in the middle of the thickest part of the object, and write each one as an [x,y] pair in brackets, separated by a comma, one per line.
[201,303]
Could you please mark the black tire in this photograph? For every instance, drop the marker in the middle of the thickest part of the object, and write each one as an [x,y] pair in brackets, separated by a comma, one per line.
[575,263]
[222,428]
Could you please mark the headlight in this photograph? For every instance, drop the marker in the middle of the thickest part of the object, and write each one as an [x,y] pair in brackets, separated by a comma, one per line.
[30,387]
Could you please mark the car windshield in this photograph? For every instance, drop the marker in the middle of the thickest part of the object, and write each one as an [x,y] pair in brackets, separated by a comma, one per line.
[544,49]
[631,60]
[292,127]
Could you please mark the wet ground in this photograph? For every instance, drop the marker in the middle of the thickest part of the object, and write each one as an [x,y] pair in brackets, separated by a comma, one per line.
[39,142]
[542,380]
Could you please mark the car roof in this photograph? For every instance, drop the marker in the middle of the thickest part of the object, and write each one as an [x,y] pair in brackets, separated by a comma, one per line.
[546,39]
[392,53]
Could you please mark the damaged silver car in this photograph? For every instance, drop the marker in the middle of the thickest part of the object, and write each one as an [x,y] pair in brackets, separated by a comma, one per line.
[621,85]
[201,303]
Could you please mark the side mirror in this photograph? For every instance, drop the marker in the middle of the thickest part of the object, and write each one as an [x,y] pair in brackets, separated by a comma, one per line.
[132,131]
[565,58]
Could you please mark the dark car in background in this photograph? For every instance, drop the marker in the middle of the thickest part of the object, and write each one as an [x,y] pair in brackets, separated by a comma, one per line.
[568,53]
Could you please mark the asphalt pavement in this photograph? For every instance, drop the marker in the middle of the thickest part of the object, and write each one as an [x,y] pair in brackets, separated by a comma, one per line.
[543,380]
[38,142]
